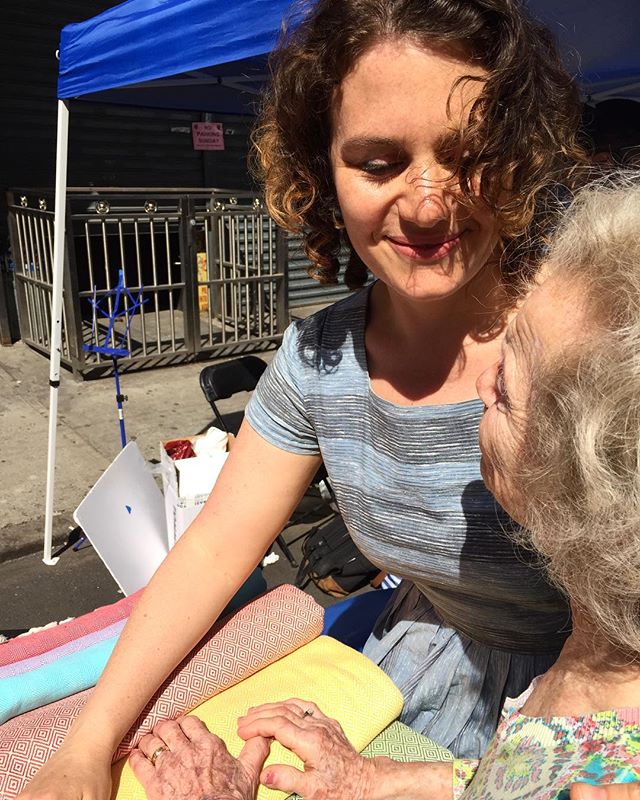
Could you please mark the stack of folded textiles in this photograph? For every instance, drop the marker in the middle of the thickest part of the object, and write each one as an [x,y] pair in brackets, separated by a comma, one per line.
[57,662]
[269,650]
[261,632]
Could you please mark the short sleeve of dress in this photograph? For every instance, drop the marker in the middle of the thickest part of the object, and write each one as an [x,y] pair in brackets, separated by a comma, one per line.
[276,410]
[463,772]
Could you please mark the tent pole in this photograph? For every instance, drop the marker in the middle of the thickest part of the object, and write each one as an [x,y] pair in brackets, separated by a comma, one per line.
[62,142]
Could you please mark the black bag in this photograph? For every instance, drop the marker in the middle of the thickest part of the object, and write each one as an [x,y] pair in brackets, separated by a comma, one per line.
[332,561]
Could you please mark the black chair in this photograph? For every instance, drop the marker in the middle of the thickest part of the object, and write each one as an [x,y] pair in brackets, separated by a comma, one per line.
[221,381]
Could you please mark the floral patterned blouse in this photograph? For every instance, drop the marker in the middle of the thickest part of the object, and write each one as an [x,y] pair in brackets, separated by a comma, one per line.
[539,757]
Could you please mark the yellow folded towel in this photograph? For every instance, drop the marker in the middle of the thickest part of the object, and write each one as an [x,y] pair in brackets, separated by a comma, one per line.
[342,682]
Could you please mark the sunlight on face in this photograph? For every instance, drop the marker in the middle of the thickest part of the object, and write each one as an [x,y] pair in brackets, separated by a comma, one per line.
[551,318]
[398,202]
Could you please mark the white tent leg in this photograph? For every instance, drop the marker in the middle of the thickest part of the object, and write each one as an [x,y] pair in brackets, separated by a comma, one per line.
[56,318]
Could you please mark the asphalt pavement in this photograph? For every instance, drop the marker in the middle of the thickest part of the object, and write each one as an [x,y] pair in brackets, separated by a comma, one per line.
[162,404]
[34,595]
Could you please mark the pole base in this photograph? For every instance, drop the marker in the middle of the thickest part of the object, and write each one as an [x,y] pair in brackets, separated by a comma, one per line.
[51,562]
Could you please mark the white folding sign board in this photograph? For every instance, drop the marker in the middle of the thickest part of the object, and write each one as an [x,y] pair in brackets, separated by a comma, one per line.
[123,517]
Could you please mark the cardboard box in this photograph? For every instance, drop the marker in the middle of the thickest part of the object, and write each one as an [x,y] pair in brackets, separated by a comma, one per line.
[181,508]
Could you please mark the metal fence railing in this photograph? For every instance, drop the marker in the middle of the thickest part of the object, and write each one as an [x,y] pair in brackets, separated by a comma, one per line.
[8,313]
[243,285]
[211,266]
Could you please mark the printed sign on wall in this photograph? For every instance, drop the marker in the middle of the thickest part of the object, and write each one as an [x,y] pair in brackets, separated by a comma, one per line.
[207,135]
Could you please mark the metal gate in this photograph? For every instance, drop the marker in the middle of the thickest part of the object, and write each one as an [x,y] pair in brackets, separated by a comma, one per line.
[241,275]
[31,231]
[212,267]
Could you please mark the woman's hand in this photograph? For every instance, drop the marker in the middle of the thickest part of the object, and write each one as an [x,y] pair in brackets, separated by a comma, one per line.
[72,773]
[332,768]
[617,791]
[191,763]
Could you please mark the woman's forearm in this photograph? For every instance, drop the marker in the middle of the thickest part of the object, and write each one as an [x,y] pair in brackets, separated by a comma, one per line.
[194,583]
[178,607]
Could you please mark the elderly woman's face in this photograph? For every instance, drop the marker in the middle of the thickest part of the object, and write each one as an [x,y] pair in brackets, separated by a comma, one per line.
[550,319]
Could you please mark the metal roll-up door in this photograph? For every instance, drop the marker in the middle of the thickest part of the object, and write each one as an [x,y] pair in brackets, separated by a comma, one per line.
[303,290]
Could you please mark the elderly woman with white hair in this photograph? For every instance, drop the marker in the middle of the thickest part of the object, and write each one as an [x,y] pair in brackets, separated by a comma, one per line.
[561,451]
[560,439]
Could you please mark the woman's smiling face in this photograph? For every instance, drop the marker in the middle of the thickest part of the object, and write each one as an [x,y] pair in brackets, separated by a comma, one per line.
[389,121]
[551,320]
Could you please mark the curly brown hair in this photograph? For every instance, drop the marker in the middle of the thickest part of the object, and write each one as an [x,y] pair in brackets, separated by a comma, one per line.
[520,136]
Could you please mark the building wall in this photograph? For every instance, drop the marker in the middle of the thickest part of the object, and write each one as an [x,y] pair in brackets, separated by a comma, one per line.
[109,145]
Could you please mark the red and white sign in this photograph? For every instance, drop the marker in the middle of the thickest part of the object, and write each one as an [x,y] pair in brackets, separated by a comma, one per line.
[207,135]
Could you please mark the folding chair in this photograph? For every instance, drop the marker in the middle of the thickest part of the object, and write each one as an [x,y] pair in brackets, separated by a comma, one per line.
[221,381]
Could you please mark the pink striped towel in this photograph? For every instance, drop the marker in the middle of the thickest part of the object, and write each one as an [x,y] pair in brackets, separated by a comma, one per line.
[40,642]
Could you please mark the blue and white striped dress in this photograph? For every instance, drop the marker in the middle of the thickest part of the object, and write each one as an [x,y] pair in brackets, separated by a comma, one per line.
[474,620]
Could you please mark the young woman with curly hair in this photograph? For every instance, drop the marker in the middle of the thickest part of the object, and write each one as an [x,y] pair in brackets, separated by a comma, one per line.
[510,150]
[425,136]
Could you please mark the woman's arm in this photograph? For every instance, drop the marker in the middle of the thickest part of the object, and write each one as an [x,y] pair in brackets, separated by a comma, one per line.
[195,764]
[620,791]
[252,500]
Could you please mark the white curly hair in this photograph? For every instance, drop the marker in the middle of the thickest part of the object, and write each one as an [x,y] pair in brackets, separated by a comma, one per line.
[580,463]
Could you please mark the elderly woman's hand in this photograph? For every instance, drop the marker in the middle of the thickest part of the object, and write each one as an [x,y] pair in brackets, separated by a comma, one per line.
[332,768]
[617,791]
[181,760]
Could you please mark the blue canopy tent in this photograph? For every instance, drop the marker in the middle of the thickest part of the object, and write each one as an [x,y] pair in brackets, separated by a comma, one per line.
[202,55]
[210,55]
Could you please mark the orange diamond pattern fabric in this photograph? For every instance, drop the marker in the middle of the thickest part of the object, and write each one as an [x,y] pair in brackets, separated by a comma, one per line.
[272,626]
[345,685]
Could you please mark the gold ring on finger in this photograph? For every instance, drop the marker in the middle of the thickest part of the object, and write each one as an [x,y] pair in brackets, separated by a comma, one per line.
[157,753]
